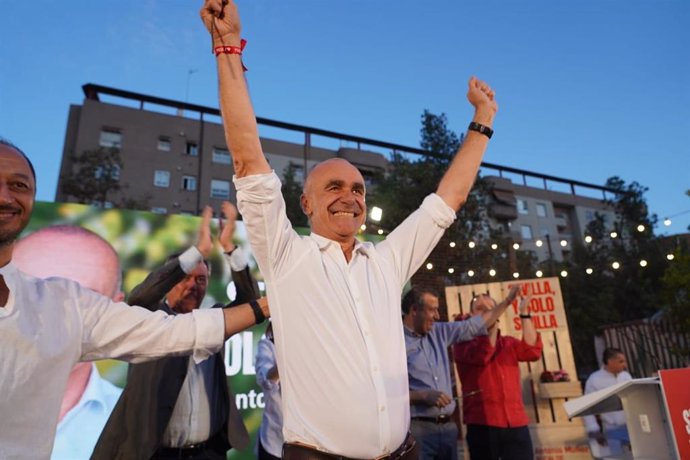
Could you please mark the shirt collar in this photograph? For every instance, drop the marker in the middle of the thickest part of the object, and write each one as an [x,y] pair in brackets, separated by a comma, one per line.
[323,243]
[94,390]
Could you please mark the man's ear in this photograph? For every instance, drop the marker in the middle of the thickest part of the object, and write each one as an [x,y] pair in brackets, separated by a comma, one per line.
[119,297]
[304,203]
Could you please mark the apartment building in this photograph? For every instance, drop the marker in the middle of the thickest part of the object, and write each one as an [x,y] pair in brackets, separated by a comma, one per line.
[175,160]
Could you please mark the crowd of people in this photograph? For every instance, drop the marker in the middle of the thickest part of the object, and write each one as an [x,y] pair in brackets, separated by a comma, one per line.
[343,376]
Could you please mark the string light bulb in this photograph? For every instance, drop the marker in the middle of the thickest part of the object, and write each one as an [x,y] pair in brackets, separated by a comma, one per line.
[643,263]
[640,228]
[429,266]
[494,246]
[471,244]
[564,243]
[516,275]
[470,273]
[670,256]
[589,271]
[492,272]
[614,235]
[588,239]
[363,227]
[452,244]
[539,243]
[615,265]
[516,246]
[667,222]
[539,273]
[451,270]
[564,273]
[380,231]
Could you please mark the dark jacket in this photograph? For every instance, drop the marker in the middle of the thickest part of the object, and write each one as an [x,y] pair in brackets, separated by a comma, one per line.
[136,426]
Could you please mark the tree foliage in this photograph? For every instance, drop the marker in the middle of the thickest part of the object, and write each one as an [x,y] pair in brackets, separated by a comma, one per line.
[292,191]
[94,179]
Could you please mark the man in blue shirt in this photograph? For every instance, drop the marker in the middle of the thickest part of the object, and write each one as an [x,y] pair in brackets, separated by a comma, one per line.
[428,368]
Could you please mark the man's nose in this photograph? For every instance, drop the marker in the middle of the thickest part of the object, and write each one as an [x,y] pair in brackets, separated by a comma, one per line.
[5,195]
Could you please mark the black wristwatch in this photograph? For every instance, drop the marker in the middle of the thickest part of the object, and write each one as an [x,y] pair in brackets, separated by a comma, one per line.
[258,313]
[480,128]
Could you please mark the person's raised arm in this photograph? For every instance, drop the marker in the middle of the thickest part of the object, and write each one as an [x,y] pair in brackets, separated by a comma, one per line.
[245,316]
[492,315]
[241,133]
[457,182]
[529,332]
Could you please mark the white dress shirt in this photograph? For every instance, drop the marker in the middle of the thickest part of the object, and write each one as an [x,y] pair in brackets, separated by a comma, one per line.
[338,327]
[49,325]
[598,381]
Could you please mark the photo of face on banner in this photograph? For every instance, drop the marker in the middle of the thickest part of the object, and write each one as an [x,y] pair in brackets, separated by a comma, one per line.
[111,251]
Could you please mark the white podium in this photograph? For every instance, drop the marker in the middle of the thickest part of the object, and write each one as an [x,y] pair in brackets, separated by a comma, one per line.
[645,414]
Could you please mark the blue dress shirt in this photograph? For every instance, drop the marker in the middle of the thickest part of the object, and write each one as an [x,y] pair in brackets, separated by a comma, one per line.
[428,365]
[80,428]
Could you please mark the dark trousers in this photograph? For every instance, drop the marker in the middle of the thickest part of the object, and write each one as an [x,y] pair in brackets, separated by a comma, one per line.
[407,451]
[492,443]
[165,453]
[263,455]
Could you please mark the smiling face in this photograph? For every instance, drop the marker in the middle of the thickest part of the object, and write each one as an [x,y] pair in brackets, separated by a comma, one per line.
[425,315]
[334,200]
[17,187]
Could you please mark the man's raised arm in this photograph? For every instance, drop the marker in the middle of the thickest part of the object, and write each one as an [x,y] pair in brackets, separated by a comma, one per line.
[241,134]
[457,182]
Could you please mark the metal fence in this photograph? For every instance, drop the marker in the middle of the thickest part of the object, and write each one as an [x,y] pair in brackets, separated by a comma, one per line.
[650,345]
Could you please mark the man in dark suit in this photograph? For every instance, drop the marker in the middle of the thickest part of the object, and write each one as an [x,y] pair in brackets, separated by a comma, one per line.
[172,407]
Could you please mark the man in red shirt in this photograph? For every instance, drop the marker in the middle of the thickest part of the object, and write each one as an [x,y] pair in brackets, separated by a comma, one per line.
[492,404]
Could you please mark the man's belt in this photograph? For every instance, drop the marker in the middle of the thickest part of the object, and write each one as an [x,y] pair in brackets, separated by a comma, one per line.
[301,451]
[438,419]
[181,452]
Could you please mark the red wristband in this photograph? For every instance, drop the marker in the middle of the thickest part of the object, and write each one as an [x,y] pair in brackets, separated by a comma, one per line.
[218,50]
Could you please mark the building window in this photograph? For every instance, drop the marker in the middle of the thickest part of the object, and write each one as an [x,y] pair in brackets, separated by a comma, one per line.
[220,189]
[99,172]
[110,138]
[189,183]
[161,178]
[102,204]
[221,156]
[159,210]
[522,206]
[164,144]
[192,149]
[526,232]
[541,209]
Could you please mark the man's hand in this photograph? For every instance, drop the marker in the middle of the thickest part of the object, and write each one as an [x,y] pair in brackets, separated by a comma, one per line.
[481,96]
[228,229]
[204,242]
[525,300]
[222,21]
[491,316]
[437,398]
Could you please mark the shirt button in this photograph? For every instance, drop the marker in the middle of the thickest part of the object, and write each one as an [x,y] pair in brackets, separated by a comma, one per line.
[383,408]
[376,369]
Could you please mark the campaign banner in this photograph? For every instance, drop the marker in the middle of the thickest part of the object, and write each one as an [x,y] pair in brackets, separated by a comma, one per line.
[674,385]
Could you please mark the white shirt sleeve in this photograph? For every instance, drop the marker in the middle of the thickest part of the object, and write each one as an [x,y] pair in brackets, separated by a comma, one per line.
[190,259]
[116,330]
[237,261]
[413,240]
